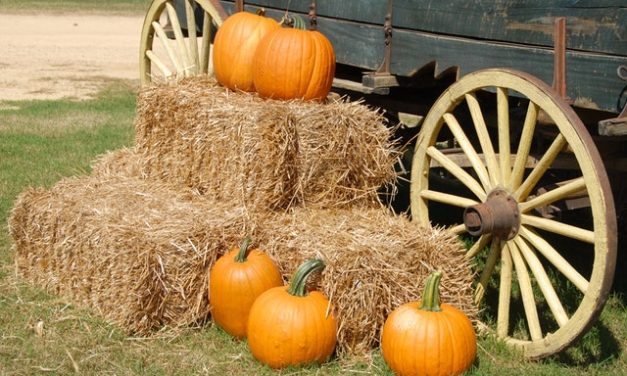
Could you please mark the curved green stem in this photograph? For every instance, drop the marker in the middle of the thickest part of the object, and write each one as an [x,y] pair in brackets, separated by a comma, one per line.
[243,250]
[431,294]
[294,21]
[299,280]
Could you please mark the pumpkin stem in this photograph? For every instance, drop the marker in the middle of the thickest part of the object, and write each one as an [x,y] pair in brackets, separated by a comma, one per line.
[431,294]
[294,21]
[299,280]
[261,12]
[243,250]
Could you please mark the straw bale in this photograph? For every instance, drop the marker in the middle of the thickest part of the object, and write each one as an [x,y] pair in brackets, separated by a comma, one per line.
[375,262]
[263,154]
[136,253]
[121,162]
[139,252]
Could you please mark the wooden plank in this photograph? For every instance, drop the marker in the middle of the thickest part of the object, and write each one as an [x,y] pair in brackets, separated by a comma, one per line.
[593,26]
[613,127]
[366,11]
[589,77]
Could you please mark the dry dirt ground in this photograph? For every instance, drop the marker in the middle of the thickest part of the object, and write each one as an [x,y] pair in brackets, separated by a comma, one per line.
[65,56]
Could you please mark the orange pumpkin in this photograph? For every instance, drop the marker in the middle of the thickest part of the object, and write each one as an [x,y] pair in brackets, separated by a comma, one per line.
[234,47]
[290,326]
[235,281]
[428,338]
[293,63]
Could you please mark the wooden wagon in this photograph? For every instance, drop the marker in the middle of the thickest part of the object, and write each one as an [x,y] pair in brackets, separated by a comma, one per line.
[509,162]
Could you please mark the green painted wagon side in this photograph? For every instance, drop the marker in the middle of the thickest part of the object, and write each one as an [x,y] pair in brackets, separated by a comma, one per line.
[474,35]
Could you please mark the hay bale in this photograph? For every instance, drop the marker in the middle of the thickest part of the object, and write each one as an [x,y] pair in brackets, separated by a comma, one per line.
[375,262]
[137,253]
[263,153]
[121,162]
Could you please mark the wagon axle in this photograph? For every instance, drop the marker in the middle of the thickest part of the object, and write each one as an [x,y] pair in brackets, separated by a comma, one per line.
[499,216]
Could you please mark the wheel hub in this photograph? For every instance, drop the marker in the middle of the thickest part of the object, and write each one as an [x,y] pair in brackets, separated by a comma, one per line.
[498,215]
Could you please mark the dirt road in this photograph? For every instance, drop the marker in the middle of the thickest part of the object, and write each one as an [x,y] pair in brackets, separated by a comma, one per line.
[65,56]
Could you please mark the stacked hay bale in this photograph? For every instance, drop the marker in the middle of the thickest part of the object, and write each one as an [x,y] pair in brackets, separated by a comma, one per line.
[136,252]
[135,240]
[263,153]
[375,262]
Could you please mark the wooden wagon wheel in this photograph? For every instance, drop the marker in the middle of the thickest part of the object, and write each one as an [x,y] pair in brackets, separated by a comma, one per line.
[181,52]
[544,298]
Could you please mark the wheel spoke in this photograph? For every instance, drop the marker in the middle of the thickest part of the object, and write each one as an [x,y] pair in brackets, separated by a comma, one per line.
[178,36]
[458,229]
[468,149]
[560,228]
[490,263]
[543,165]
[484,139]
[526,291]
[159,64]
[562,192]
[446,198]
[191,33]
[555,258]
[205,53]
[502,107]
[457,171]
[524,146]
[185,55]
[505,293]
[178,65]
[543,281]
[478,246]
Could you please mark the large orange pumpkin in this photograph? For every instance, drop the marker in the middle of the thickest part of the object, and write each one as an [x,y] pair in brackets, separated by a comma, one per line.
[234,47]
[293,63]
[235,281]
[428,338]
[290,326]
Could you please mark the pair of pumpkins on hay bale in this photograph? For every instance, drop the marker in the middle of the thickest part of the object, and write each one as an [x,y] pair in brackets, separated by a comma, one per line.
[254,53]
[136,240]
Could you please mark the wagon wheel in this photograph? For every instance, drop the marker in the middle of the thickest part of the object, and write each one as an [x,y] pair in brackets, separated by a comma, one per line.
[544,296]
[180,52]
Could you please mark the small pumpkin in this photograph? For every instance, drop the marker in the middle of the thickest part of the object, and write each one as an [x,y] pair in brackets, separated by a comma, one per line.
[234,48]
[428,338]
[294,63]
[235,281]
[290,326]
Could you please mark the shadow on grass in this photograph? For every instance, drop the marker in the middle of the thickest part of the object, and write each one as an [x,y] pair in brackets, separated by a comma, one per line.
[599,345]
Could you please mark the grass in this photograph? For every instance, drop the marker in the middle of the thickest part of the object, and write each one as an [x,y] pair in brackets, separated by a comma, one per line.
[117,7]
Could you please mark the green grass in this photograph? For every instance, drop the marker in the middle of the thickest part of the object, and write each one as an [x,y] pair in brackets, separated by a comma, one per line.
[118,7]
[45,140]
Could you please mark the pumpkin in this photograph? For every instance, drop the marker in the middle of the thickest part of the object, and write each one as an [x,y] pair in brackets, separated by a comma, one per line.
[294,63]
[428,338]
[235,281]
[290,326]
[234,48]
